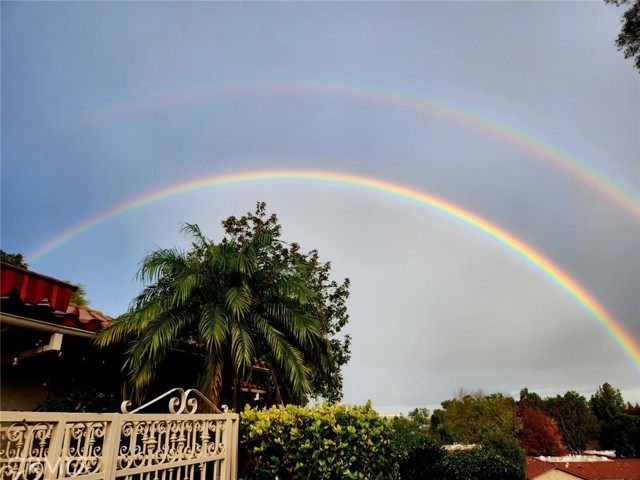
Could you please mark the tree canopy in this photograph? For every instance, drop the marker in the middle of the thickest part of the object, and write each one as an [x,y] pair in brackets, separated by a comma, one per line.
[606,403]
[629,37]
[249,296]
[488,420]
[540,434]
[16,259]
[79,297]
[575,419]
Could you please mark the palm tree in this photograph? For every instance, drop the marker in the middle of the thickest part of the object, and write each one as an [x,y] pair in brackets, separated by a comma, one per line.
[240,300]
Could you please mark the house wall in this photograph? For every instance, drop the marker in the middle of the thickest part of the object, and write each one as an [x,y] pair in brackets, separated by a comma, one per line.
[78,366]
[21,392]
[555,474]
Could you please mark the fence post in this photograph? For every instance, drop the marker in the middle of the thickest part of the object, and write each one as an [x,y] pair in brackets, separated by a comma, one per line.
[52,464]
[111,446]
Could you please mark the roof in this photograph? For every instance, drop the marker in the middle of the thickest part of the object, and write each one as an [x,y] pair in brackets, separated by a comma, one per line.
[34,296]
[537,467]
[619,469]
[33,288]
[82,317]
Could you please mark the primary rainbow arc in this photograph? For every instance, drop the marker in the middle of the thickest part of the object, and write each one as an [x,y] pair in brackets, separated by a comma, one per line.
[537,259]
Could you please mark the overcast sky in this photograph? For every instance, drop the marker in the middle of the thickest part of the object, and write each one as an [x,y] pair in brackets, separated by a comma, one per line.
[105,102]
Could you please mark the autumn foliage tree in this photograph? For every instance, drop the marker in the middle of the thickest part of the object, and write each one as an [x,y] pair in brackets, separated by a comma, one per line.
[540,434]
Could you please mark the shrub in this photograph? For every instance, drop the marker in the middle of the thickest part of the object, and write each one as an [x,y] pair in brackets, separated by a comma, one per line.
[475,464]
[417,455]
[322,442]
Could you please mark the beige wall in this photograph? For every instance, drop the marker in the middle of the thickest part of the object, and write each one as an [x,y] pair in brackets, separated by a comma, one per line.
[21,393]
[555,474]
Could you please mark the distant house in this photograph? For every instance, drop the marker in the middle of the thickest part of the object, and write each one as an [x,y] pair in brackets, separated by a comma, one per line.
[595,469]
[47,342]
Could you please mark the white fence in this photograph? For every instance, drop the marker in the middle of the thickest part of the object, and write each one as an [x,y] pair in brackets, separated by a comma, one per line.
[180,445]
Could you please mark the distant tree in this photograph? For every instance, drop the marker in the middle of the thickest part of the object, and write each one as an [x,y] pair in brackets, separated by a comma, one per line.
[540,434]
[573,415]
[420,416]
[622,434]
[631,409]
[478,464]
[437,429]
[488,420]
[530,399]
[606,403]
[79,297]
[14,259]
[629,37]
[411,422]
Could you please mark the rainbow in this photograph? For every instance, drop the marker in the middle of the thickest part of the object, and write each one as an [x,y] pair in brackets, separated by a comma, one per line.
[535,258]
[484,123]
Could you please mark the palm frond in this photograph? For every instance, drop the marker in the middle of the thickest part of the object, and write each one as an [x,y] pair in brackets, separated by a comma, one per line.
[242,348]
[286,356]
[213,327]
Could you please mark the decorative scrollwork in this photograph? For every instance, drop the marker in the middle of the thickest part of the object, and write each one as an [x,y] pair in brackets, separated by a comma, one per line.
[148,443]
[179,402]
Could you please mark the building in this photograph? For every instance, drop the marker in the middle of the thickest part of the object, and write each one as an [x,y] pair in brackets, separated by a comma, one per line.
[595,468]
[47,342]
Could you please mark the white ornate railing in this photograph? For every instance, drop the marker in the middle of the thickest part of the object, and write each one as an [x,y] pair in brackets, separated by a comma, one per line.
[181,445]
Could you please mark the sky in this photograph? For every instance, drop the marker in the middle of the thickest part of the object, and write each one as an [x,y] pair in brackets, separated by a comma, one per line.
[523,114]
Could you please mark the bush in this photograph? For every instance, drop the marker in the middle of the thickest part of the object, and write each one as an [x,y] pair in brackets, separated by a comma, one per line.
[322,442]
[476,464]
[417,455]
[507,447]
[80,400]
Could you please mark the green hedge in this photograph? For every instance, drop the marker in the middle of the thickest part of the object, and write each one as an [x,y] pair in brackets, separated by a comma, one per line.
[417,455]
[476,464]
[322,442]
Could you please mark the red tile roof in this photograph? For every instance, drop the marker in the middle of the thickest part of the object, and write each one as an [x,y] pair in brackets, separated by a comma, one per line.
[83,318]
[618,469]
[536,467]
[33,288]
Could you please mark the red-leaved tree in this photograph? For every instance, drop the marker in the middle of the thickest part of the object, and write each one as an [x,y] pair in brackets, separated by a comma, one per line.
[540,434]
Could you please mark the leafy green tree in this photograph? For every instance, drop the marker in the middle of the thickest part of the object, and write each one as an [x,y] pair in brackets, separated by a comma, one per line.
[478,464]
[629,37]
[249,296]
[79,297]
[437,428]
[573,415]
[488,420]
[413,421]
[16,259]
[606,403]
[420,416]
[622,434]
[530,399]
[328,302]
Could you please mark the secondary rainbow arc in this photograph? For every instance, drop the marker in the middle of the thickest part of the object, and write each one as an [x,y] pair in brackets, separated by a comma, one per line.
[490,125]
[585,299]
